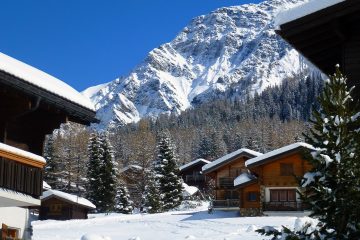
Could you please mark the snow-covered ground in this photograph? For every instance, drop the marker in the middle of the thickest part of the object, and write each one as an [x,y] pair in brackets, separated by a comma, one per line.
[195,224]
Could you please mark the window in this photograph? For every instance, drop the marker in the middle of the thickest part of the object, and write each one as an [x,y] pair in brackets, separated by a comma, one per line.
[286,169]
[282,195]
[55,209]
[253,196]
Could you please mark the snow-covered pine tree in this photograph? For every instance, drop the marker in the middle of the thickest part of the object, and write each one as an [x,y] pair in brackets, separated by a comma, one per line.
[94,184]
[50,171]
[333,193]
[108,174]
[167,171]
[152,196]
[123,204]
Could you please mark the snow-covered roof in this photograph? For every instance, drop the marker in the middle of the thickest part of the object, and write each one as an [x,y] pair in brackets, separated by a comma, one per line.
[22,153]
[303,10]
[189,190]
[228,158]
[42,80]
[244,178]
[46,185]
[193,163]
[279,151]
[137,167]
[68,197]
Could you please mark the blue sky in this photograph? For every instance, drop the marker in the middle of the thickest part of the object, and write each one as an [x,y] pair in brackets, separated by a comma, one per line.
[88,42]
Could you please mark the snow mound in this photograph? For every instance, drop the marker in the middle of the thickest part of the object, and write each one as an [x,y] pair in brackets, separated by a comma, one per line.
[190,237]
[188,191]
[251,228]
[94,237]
[135,238]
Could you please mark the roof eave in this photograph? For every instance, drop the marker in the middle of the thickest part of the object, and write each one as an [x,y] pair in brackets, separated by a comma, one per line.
[254,181]
[275,157]
[77,112]
[215,167]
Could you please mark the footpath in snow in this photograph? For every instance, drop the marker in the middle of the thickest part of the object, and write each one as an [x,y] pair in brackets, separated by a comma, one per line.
[197,224]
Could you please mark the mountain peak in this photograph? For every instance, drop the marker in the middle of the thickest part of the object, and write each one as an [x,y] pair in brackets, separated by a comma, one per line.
[232,51]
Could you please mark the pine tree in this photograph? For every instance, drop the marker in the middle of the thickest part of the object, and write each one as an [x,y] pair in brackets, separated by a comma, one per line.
[167,172]
[153,196]
[123,204]
[94,185]
[50,171]
[333,183]
[108,175]
[332,186]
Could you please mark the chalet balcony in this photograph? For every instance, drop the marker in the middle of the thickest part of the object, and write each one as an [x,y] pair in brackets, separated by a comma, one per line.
[21,175]
[194,178]
[284,206]
[226,182]
[227,203]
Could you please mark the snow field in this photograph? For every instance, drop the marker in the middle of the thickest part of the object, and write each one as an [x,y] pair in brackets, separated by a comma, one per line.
[163,226]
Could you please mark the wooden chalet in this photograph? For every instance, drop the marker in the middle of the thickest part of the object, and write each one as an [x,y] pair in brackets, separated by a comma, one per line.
[131,175]
[223,172]
[58,205]
[271,183]
[192,175]
[32,104]
[326,33]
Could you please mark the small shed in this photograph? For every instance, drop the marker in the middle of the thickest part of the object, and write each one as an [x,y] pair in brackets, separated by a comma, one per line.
[58,205]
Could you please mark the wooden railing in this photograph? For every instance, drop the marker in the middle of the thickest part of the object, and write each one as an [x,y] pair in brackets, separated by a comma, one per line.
[284,206]
[21,171]
[227,203]
[20,177]
[226,182]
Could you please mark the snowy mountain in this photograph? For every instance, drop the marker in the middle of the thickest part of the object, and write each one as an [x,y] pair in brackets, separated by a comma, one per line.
[231,51]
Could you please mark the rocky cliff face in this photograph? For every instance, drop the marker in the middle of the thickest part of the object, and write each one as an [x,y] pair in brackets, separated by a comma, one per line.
[233,51]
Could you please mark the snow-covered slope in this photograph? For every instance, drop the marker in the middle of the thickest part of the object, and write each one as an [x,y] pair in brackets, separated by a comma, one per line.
[231,51]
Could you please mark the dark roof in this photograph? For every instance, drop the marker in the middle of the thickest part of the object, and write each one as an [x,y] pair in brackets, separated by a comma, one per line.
[322,36]
[76,112]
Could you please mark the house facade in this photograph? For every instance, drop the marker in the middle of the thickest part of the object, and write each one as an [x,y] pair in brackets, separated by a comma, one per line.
[191,173]
[271,183]
[223,172]
[255,183]
[32,104]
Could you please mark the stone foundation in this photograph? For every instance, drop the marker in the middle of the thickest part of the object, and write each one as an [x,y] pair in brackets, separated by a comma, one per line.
[250,212]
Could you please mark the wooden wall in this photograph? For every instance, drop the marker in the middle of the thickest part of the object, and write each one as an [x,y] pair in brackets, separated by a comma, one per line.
[230,169]
[244,201]
[68,210]
[270,175]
